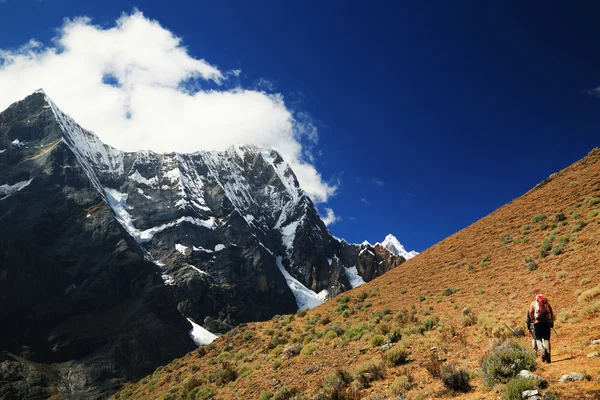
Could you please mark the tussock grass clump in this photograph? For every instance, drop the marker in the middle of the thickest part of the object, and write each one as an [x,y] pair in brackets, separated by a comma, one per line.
[367,372]
[592,201]
[455,378]
[515,387]
[589,295]
[505,360]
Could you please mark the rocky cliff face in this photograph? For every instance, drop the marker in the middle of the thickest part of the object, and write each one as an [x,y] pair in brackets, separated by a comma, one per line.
[103,253]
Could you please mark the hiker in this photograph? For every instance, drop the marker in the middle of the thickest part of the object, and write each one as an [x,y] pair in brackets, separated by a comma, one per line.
[540,319]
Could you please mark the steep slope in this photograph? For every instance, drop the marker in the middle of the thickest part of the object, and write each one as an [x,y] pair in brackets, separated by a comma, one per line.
[104,254]
[450,303]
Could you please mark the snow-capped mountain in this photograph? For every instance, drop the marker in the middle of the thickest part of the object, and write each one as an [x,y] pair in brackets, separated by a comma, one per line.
[110,258]
[396,248]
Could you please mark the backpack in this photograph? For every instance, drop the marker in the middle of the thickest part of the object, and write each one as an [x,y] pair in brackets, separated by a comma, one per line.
[541,312]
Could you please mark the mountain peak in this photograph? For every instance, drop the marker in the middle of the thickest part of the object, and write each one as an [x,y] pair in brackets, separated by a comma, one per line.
[396,248]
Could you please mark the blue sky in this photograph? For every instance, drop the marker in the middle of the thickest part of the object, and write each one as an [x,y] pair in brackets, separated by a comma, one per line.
[429,116]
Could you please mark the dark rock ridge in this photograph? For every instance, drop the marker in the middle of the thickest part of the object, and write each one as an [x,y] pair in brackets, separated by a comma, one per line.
[104,253]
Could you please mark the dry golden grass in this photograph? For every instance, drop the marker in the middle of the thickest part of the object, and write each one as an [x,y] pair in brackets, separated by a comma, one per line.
[486,269]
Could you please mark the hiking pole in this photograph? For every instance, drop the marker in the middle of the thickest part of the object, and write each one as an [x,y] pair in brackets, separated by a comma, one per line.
[556,333]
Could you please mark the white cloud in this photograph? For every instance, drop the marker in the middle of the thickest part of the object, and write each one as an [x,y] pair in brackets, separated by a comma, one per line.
[137,87]
[364,200]
[330,218]
[377,182]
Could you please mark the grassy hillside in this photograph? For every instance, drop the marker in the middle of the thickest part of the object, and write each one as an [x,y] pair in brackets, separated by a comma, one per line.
[436,316]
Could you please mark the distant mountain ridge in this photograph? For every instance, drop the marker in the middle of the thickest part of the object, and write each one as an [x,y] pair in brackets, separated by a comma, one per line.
[229,235]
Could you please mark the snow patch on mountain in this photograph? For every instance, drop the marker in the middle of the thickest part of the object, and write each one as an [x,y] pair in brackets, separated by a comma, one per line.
[305,298]
[181,248]
[288,234]
[140,191]
[118,203]
[7,190]
[354,277]
[137,177]
[199,335]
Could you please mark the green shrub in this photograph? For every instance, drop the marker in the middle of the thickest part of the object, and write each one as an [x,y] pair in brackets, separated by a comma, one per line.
[515,387]
[561,275]
[367,372]
[525,229]
[578,226]
[266,395]
[505,361]
[563,240]
[545,248]
[538,218]
[592,201]
[308,349]
[223,374]
[558,250]
[456,379]
[401,384]
[276,364]
[300,314]
[505,239]
[449,291]
[356,332]
[202,393]
[292,349]
[532,265]
[395,335]
[376,340]
[397,355]
[335,386]
[330,335]
[429,323]
[286,394]
[421,298]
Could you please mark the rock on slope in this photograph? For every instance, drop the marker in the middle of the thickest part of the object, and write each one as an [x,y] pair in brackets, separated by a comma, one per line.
[103,252]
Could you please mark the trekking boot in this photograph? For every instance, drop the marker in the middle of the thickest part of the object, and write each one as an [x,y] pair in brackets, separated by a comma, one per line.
[547,358]
[544,356]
